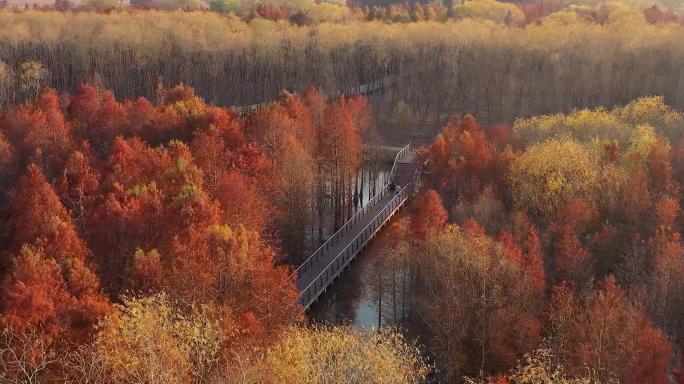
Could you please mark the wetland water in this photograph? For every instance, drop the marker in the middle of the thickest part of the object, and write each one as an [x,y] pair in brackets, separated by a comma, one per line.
[349,300]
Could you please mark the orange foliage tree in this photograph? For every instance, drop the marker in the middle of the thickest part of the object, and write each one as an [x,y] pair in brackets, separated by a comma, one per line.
[40,133]
[605,333]
[428,216]
[49,269]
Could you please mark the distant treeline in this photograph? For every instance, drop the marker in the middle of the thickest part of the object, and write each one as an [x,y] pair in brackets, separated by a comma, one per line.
[496,71]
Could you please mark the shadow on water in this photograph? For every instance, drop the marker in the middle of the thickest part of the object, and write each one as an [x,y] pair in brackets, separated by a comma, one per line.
[348,300]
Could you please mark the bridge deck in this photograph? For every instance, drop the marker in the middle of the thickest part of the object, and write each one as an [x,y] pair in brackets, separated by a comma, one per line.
[304,279]
[319,271]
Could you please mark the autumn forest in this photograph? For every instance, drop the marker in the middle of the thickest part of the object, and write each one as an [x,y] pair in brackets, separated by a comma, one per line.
[390,192]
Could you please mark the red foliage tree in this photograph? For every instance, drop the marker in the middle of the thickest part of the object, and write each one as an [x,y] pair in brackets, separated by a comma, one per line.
[39,218]
[145,272]
[428,216]
[141,119]
[121,224]
[44,237]
[666,271]
[273,11]
[40,133]
[269,127]
[503,162]
[610,320]
[473,228]
[653,353]
[606,245]
[533,261]
[577,214]
[475,157]
[572,262]
[341,149]
[501,136]
[97,116]
[39,293]
[232,266]
[462,160]
[439,163]
[226,124]
[34,293]
[660,171]
[535,11]
[78,187]
[316,102]
[178,93]
[241,201]
[636,198]
[7,162]
[605,333]
[666,213]
[512,334]
[679,375]
[361,114]
[524,235]
[657,15]
[305,128]
[158,125]
[511,248]
[133,162]
[475,151]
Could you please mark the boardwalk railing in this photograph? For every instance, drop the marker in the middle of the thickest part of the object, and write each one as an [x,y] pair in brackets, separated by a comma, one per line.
[353,246]
[370,87]
[362,89]
[402,152]
[332,241]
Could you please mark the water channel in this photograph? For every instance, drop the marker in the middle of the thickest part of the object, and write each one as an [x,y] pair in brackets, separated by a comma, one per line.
[349,300]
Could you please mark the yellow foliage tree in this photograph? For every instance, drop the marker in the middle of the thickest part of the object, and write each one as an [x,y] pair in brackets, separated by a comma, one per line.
[6,81]
[548,174]
[474,302]
[621,124]
[340,355]
[148,340]
[584,125]
[490,10]
[643,141]
[652,111]
[538,367]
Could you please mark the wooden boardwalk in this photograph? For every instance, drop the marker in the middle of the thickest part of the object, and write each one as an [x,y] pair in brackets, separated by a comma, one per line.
[318,272]
[363,89]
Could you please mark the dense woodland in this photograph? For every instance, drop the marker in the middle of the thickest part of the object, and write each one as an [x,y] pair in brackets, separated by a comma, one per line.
[479,64]
[139,244]
[559,237]
[150,224]
[176,207]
